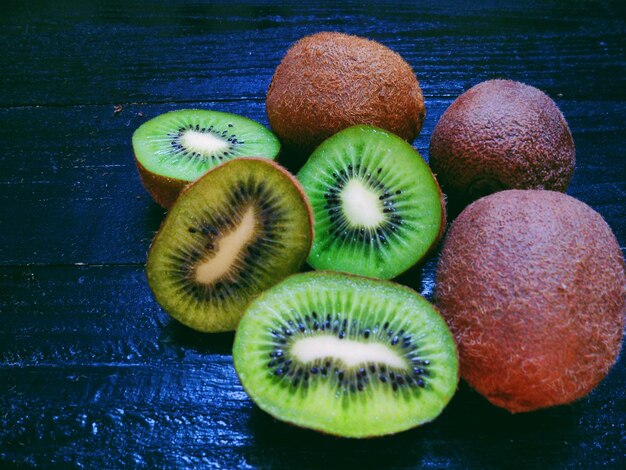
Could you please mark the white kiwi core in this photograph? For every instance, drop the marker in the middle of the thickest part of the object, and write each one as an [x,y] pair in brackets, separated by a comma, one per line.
[361,205]
[351,353]
[227,250]
[202,142]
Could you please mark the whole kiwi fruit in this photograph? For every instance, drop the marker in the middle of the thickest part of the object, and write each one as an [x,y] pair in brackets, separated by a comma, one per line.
[532,285]
[501,134]
[329,81]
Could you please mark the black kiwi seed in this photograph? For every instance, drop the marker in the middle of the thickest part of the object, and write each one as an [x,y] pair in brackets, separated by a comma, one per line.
[176,141]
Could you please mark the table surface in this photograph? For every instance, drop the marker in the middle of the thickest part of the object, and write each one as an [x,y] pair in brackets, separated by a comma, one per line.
[93,373]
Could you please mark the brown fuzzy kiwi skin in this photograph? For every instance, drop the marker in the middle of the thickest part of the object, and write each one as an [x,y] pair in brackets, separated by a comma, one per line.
[501,134]
[164,190]
[533,287]
[330,81]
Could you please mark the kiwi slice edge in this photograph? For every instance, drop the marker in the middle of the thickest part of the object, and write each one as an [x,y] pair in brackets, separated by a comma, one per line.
[176,148]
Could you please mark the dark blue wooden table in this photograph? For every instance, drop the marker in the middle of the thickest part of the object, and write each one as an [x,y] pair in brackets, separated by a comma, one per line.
[93,374]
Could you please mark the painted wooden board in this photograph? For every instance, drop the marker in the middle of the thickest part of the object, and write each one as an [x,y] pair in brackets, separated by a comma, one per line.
[94,374]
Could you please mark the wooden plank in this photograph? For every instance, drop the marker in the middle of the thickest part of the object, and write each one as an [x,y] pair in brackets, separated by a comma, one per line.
[192,415]
[93,373]
[110,316]
[108,312]
[106,417]
[97,53]
[72,195]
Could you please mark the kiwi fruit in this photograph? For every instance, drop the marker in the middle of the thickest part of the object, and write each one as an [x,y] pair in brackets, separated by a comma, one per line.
[176,148]
[501,134]
[236,231]
[329,81]
[378,210]
[346,355]
[532,285]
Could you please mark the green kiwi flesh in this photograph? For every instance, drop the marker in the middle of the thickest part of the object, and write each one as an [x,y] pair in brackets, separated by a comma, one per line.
[233,233]
[377,207]
[346,355]
[180,146]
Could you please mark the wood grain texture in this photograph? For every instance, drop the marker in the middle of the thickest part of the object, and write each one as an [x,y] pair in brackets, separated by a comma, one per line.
[133,387]
[79,176]
[94,374]
[118,52]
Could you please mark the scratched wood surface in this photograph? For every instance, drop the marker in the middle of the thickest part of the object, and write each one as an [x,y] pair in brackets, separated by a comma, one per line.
[92,372]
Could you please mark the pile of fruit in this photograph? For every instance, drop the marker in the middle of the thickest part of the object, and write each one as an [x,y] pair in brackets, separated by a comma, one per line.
[530,284]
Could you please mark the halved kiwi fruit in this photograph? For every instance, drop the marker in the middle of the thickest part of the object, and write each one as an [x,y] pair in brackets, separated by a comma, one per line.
[235,232]
[176,148]
[377,207]
[346,355]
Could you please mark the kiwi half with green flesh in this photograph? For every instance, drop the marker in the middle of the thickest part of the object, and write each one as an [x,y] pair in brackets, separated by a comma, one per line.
[377,207]
[346,355]
[233,233]
[176,148]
